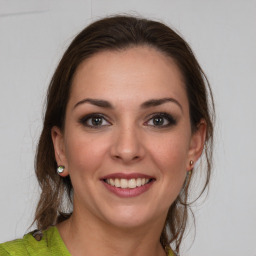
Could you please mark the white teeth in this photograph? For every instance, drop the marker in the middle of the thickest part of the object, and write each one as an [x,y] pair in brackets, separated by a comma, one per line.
[138,182]
[125,183]
[117,183]
[132,183]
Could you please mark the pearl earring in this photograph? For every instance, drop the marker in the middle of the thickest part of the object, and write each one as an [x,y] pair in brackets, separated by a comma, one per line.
[60,169]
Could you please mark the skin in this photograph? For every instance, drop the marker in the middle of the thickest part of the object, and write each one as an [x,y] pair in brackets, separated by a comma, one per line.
[127,141]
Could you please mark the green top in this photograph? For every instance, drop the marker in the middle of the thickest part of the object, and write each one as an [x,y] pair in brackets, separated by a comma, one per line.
[50,244]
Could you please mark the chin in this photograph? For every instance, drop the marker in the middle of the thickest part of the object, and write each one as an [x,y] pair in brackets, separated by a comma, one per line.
[130,217]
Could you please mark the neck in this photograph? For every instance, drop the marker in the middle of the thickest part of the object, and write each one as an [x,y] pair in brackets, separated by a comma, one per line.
[89,236]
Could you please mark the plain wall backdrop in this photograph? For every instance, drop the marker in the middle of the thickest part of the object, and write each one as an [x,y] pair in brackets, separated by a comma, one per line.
[34,35]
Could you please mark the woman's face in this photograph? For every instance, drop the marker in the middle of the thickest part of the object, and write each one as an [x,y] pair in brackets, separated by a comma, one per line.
[127,141]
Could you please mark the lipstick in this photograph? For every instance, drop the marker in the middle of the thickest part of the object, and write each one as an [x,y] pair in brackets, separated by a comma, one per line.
[128,185]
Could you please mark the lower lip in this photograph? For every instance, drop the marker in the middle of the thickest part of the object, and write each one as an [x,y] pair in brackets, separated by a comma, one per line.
[128,192]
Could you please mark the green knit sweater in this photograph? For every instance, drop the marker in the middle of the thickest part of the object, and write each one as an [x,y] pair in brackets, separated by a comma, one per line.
[51,244]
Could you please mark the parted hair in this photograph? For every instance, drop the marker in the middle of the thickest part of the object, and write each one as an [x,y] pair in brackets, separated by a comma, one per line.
[117,33]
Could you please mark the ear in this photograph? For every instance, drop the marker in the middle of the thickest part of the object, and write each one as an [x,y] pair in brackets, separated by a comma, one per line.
[196,144]
[59,149]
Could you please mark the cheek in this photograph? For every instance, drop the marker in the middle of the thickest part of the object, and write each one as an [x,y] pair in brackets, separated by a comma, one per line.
[171,153]
[170,157]
[83,153]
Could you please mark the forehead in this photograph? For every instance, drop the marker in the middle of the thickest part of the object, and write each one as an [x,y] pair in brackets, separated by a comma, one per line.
[143,72]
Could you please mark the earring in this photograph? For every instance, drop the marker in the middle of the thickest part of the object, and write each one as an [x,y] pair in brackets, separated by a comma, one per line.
[191,162]
[60,169]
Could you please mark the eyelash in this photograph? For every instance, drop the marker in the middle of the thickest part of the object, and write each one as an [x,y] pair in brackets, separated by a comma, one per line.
[171,121]
[84,120]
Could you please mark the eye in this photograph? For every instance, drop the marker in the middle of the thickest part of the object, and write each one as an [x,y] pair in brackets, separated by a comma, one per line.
[161,120]
[94,121]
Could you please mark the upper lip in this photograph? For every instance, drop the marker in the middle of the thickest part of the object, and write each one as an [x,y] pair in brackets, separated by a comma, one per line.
[127,176]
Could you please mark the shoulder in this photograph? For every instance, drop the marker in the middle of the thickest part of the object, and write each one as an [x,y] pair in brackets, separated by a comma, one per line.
[50,244]
[15,247]
[171,253]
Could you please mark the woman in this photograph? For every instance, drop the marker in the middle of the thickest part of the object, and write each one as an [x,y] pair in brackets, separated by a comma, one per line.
[127,117]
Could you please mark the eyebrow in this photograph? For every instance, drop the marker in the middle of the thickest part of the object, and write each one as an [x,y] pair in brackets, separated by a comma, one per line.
[96,102]
[146,104]
[157,102]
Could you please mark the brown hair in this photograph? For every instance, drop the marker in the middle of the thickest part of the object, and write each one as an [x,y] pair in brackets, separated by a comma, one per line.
[117,33]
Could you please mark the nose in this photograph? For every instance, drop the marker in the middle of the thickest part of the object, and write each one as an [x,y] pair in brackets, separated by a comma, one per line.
[127,145]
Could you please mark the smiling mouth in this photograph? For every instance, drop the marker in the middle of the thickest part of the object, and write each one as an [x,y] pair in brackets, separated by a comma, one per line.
[128,183]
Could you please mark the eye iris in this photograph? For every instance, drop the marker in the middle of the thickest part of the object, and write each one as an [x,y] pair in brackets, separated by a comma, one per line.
[158,121]
[96,121]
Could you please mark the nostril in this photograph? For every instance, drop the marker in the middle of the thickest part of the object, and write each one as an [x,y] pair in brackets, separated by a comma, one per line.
[127,149]
[127,158]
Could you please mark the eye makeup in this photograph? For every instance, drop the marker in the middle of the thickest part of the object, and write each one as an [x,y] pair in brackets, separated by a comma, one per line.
[161,120]
[156,120]
[94,121]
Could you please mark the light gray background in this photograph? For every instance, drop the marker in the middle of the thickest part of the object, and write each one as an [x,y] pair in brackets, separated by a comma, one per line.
[33,36]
